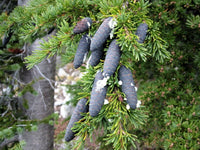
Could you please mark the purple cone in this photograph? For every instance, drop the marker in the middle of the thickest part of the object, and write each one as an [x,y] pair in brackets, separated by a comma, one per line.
[141,32]
[82,50]
[97,96]
[112,59]
[128,86]
[82,25]
[81,107]
[101,35]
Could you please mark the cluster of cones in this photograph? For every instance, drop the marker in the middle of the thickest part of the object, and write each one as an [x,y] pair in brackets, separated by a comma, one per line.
[111,62]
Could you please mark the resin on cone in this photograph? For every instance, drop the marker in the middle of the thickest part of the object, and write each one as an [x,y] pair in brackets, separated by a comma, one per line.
[128,86]
[82,26]
[101,35]
[98,95]
[82,50]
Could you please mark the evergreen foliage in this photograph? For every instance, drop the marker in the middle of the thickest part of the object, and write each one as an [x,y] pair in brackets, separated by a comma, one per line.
[166,68]
[170,91]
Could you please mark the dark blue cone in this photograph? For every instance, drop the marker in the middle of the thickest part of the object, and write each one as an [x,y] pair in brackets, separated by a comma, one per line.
[82,25]
[101,35]
[97,96]
[141,32]
[96,56]
[81,107]
[128,86]
[112,59]
[82,50]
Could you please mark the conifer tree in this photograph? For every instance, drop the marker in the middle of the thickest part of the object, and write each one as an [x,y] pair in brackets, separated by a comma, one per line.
[152,39]
[37,98]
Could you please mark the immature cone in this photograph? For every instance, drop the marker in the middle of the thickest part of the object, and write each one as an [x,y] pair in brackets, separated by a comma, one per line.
[98,95]
[81,107]
[101,35]
[112,59]
[141,32]
[128,86]
[82,50]
[82,25]
[96,56]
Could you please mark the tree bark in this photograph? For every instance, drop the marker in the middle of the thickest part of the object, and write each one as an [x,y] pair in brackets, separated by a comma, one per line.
[22,2]
[41,105]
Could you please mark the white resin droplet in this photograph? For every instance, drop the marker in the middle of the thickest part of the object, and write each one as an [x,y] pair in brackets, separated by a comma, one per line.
[112,23]
[128,106]
[138,103]
[112,33]
[88,24]
[85,56]
[136,88]
[106,101]
[101,84]
[120,82]
[88,62]
[87,39]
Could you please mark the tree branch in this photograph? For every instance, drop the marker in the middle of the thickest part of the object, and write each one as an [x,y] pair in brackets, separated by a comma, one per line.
[8,141]
[49,80]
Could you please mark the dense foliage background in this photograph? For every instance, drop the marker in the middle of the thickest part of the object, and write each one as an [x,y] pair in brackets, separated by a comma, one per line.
[170,90]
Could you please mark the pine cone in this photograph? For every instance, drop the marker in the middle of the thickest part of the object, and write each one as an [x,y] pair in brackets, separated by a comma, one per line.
[96,56]
[141,32]
[82,25]
[82,50]
[101,35]
[128,86]
[97,95]
[112,59]
[81,107]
